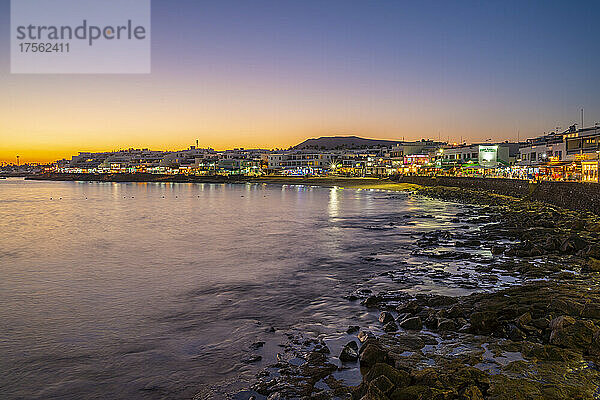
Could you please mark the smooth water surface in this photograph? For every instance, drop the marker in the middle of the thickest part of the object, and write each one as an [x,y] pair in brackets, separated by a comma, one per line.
[116,290]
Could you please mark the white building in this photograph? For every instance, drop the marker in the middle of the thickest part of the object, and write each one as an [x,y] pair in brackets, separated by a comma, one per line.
[301,162]
[479,155]
[541,150]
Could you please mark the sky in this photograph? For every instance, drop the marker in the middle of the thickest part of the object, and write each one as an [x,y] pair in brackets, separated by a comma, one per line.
[267,74]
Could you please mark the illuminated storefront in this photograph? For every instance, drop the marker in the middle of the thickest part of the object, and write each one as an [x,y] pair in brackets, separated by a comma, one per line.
[589,171]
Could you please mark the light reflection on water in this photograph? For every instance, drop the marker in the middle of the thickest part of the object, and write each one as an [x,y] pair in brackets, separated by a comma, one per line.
[115,290]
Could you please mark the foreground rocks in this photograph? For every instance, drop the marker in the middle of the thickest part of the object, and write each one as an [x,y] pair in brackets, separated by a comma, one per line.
[304,371]
[539,339]
[537,228]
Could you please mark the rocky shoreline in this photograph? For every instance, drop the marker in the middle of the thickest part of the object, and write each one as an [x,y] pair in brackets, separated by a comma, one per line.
[539,339]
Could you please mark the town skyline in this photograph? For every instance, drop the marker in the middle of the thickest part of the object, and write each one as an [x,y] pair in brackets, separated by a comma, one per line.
[5,156]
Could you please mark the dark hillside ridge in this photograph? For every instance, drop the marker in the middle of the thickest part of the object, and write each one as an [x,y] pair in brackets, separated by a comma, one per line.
[343,142]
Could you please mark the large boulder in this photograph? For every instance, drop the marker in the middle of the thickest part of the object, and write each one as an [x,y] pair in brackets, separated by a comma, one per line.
[385,317]
[371,353]
[571,333]
[418,392]
[349,352]
[484,322]
[572,244]
[397,377]
[412,323]
[390,327]
[445,324]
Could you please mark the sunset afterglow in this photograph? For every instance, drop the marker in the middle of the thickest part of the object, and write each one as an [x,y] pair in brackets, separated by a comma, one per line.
[271,74]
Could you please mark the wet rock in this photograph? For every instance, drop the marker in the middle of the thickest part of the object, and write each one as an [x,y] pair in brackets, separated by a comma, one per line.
[390,327]
[257,345]
[524,319]
[571,333]
[417,392]
[540,323]
[592,250]
[593,265]
[352,329]
[412,323]
[385,317]
[349,352]
[535,252]
[371,353]
[572,244]
[426,377]
[374,393]
[439,300]
[551,244]
[484,321]
[383,384]
[515,334]
[455,311]
[561,322]
[497,250]
[445,324]
[322,348]
[251,359]
[431,321]
[397,377]
[410,307]
[566,306]
[371,301]
[471,393]
[364,335]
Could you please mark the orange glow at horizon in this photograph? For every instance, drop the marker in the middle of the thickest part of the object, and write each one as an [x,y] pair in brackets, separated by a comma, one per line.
[273,74]
[151,112]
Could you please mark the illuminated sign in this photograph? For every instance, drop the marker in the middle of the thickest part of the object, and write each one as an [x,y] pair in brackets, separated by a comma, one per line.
[488,156]
[416,159]
[579,157]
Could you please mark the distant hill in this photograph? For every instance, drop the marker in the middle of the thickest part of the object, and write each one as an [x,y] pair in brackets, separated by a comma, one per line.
[343,142]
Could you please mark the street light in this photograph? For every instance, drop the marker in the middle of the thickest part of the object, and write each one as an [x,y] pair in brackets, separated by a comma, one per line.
[333,166]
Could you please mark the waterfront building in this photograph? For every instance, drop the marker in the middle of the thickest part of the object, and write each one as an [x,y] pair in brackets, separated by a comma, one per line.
[86,161]
[543,157]
[300,162]
[590,171]
[410,157]
[475,156]
[131,160]
[543,149]
[184,158]
[583,144]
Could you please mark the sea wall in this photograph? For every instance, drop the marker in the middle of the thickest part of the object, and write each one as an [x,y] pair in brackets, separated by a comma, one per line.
[569,195]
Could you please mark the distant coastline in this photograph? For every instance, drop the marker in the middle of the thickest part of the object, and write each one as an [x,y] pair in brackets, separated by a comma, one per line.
[345,182]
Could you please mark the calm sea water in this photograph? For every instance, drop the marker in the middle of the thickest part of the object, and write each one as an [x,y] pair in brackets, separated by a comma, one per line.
[113,290]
